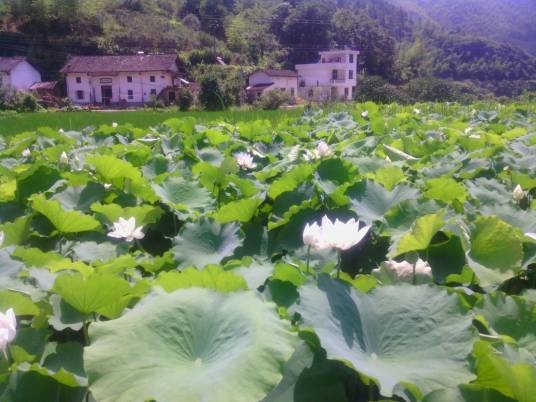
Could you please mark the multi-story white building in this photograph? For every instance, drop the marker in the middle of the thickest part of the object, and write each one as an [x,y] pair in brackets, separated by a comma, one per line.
[124,80]
[262,81]
[16,73]
[333,77]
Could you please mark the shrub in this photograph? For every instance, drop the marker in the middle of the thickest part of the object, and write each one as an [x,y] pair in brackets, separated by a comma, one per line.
[211,96]
[271,100]
[184,99]
[378,90]
[28,103]
[431,89]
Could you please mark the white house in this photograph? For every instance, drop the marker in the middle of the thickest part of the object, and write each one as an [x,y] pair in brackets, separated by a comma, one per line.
[334,76]
[262,81]
[124,80]
[16,73]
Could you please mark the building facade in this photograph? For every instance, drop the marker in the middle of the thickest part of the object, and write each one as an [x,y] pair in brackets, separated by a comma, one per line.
[121,80]
[262,81]
[333,77]
[16,73]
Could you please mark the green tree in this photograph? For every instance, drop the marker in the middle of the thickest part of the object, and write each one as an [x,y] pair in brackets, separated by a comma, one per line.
[211,96]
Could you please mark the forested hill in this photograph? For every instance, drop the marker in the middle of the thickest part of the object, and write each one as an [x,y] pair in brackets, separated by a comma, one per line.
[393,43]
[506,21]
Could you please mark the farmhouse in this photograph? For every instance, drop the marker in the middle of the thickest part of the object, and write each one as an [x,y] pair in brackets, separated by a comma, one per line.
[16,73]
[262,81]
[121,80]
[333,77]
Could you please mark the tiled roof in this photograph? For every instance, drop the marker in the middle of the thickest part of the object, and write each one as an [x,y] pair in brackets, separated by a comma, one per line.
[44,85]
[8,63]
[116,64]
[279,73]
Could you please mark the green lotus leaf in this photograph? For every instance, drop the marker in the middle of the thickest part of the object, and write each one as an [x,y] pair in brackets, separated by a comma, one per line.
[395,334]
[64,221]
[80,197]
[506,370]
[183,194]
[89,295]
[19,302]
[496,250]
[467,393]
[388,176]
[445,189]
[419,235]
[144,214]
[34,257]
[371,201]
[206,242]
[16,232]
[510,316]
[289,181]
[191,345]
[241,210]
[211,277]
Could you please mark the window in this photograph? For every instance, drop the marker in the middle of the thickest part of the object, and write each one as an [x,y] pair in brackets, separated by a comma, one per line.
[153,92]
[129,78]
[351,74]
[346,92]
[292,93]
[130,94]
[282,89]
[152,78]
[78,80]
[80,95]
[351,58]
[311,93]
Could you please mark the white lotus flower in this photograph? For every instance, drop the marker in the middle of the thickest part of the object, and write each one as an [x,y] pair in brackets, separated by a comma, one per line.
[475,136]
[364,114]
[107,186]
[114,125]
[61,131]
[338,235]
[518,194]
[64,158]
[8,328]
[294,153]
[468,130]
[26,153]
[312,235]
[403,271]
[245,160]
[2,237]
[528,234]
[323,149]
[417,111]
[126,229]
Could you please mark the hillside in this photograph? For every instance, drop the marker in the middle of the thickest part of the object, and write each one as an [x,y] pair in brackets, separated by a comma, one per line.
[259,33]
[506,21]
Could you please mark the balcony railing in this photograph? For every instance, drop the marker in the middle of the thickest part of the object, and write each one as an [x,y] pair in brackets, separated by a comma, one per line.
[338,81]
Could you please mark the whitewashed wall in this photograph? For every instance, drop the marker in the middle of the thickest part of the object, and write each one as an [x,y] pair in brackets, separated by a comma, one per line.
[22,77]
[289,84]
[140,86]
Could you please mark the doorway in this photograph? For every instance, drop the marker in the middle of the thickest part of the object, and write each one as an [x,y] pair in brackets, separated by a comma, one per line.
[172,97]
[106,94]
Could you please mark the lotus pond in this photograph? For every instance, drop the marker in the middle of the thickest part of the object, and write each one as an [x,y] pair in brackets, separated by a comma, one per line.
[375,254]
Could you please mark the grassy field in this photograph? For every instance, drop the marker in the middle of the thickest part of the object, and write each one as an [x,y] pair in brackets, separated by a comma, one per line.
[17,123]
